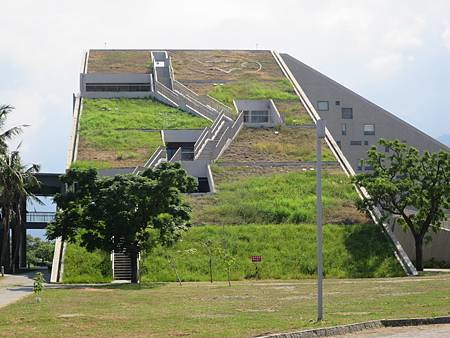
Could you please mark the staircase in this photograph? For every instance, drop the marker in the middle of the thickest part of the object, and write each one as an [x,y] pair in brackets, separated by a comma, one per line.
[121,266]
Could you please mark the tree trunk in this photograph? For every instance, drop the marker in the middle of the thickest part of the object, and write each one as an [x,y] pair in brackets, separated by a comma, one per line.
[134,267]
[17,236]
[4,258]
[419,253]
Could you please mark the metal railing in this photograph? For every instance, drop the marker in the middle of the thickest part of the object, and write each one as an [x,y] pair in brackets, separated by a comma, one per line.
[40,217]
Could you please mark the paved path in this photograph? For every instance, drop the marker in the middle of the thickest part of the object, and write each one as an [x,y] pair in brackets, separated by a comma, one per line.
[433,331]
[15,287]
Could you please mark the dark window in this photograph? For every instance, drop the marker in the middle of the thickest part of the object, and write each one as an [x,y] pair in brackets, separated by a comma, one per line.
[369,129]
[259,116]
[344,128]
[386,149]
[355,143]
[118,87]
[368,167]
[203,184]
[347,113]
[338,103]
[366,143]
[322,105]
[339,144]
[246,116]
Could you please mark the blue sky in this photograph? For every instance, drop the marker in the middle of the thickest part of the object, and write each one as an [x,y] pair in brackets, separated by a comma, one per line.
[393,53]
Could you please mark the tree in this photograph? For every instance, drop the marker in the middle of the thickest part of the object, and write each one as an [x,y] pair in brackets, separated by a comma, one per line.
[123,213]
[412,186]
[8,134]
[39,251]
[16,185]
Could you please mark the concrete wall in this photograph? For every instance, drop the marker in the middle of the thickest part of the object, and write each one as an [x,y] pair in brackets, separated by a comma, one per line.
[438,249]
[198,168]
[260,105]
[114,78]
[181,136]
[318,87]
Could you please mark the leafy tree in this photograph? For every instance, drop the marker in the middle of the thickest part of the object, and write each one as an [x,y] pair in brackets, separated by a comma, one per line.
[17,183]
[412,186]
[39,251]
[123,213]
[8,134]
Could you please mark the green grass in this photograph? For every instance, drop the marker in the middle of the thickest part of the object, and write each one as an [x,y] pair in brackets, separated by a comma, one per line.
[125,132]
[288,250]
[81,266]
[246,309]
[114,114]
[226,93]
[244,197]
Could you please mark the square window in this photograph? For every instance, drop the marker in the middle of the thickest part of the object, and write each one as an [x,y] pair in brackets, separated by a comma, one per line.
[369,129]
[344,128]
[386,149]
[338,103]
[322,105]
[347,113]
[366,143]
[339,144]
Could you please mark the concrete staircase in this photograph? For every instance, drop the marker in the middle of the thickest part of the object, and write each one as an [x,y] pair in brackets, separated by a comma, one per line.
[121,266]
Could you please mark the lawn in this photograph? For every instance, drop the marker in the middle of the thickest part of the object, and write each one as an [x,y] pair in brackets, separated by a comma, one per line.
[126,132]
[216,310]
[247,195]
[227,92]
[288,250]
[275,145]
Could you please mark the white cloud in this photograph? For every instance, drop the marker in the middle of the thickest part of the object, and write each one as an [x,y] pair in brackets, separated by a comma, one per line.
[355,41]
[446,37]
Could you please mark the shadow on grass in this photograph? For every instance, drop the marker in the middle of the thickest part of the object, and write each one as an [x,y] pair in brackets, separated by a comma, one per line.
[371,254]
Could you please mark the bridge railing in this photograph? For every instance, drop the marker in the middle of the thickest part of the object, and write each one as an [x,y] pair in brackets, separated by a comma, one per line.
[40,217]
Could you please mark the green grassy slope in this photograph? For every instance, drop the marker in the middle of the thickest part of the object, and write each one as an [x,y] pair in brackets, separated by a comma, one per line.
[281,91]
[288,251]
[125,132]
[81,266]
[248,195]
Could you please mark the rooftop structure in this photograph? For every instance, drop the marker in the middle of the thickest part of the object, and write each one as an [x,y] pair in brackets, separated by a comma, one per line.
[230,117]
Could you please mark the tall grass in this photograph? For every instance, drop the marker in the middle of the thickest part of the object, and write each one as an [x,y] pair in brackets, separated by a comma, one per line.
[245,197]
[81,266]
[288,251]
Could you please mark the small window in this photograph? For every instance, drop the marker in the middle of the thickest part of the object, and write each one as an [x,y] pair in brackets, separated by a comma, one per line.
[344,128]
[259,116]
[355,143]
[369,129]
[339,144]
[386,149]
[347,113]
[366,143]
[323,105]
[338,103]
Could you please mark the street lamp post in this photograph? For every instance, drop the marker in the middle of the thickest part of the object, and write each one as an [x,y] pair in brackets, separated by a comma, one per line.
[320,128]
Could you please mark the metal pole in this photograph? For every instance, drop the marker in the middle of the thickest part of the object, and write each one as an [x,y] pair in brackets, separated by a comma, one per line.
[320,135]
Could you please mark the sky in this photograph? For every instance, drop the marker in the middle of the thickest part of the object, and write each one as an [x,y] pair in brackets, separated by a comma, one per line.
[395,53]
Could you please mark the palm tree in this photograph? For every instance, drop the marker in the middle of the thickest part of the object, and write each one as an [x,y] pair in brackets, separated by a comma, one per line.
[17,183]
[6,135]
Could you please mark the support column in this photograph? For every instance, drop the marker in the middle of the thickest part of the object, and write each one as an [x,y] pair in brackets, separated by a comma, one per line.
[23,248]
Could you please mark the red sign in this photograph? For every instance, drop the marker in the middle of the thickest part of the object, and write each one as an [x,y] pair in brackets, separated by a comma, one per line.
[256,259]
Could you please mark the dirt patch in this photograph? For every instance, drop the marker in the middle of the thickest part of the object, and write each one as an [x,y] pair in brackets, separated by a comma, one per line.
[96,290]
[273,145]
[119,61]
[115,159]
[224,65]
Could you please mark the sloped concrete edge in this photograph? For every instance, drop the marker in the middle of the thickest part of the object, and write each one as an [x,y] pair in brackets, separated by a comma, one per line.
[351,328]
